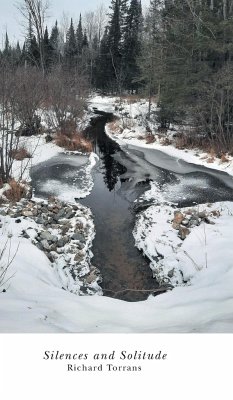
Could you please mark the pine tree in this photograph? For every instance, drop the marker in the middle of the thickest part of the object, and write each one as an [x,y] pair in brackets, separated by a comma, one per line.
[103,72]
[132,44]
[71,50]
[79,36]
[7,48]
[54,43]
[85,41]
[31,51]
[47,49]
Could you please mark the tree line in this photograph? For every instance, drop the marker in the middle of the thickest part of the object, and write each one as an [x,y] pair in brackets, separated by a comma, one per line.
[179,52]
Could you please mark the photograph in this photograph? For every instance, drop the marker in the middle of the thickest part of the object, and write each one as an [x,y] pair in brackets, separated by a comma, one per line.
[116,173]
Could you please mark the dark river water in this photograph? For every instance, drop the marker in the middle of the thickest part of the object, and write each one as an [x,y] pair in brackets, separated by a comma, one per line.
[120,176]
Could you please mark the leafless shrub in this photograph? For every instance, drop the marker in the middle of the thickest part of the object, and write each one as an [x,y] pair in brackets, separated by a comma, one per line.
[16,192]
[29,99]
[115,126]
[4,266]
[150,138]
[165,141]
[65,100]
[20,154]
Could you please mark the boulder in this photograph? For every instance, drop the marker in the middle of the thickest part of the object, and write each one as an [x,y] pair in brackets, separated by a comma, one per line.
[45,235]
[27,213]
[45,244]
[79,236]
[183,232]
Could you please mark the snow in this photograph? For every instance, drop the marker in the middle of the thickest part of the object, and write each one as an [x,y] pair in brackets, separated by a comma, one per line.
[34,300]
[40,152]
[69,185]
[132,130]
[103,103]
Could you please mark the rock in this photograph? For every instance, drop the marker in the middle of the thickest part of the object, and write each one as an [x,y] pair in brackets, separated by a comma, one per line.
[53,247]
[79,236]
[183,232]
[48,138]
[202,214]
[25,235]
[194,221]
[80,246]
[17,221]
[208,221]
[60,214]
[178,217]
[27,213]
[3,213]
[45,244]
[50,257]
[91,278]
[171,273]
[70,214]
[54,239]
[45,235]
[78,257]
[63,241]
[39,246]
[40,220]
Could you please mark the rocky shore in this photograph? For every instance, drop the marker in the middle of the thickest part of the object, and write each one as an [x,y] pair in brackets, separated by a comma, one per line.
[64,232]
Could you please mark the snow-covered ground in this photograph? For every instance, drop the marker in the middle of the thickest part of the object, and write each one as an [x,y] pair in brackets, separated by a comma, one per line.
[34,300]
[131,129]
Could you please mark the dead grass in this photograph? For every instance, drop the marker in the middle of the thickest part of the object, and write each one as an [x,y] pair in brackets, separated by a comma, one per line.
[74,142]
[68,127]
[131,99]
[150,139]
[165,141]
[190,140]
[140,137]
[115,127]
[20,154]
[224,158]
[16,192]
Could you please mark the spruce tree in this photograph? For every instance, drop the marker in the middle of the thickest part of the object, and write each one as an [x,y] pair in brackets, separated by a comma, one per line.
[85,41]
[71,50]
[47,49]
[79,36]
[54,44]
[132,45]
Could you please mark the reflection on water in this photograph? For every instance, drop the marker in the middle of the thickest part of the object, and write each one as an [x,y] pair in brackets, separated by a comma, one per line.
[122,266]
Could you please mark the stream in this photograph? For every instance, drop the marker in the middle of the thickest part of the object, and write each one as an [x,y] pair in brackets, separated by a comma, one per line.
[120,176]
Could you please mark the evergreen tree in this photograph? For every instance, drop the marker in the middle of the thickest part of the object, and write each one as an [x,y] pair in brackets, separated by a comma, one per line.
[132,44]
[85,41]
[79,36]
[7,49]
[103,72]
[71,50]
[31,51]
[115,44]
[47,49]
[54,44]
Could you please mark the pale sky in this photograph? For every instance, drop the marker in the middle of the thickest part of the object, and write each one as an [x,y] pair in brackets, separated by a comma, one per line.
[11,20]
[10,17]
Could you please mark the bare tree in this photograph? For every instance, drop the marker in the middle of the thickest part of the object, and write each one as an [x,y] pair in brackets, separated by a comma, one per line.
[65,97]
[29,99]
[7,119]
[36,11]
[21,95]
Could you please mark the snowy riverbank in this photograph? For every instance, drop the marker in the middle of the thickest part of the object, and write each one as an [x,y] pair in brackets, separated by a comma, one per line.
[35,301]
